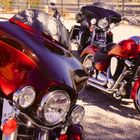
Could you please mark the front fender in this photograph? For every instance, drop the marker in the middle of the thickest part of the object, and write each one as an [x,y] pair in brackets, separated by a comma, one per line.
[135,88]
[91,49]
[75,132]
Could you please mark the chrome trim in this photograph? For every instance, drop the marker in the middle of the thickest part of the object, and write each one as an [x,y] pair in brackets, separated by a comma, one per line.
[41,126]
[93,82]
[18,93]
[13,136]
[43,135]
[99,82]
[128,63]
[100,87]
[45,98]
[73,111]
[120,78]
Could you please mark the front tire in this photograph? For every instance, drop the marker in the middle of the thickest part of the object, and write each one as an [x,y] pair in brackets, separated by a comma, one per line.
[137,100]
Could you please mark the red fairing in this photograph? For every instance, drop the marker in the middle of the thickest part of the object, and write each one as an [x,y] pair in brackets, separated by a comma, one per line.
[15,68]
[102,65]
[135,88]
[125,49]
[91,49]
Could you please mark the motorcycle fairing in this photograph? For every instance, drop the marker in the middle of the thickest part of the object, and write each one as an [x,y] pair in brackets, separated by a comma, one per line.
[91,49]
[36,20]
[125,49]
[98,12]
[15,67]
[101,65]
[46,64]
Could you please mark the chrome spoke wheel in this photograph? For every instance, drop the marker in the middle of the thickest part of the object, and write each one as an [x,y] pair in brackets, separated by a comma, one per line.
[87,62]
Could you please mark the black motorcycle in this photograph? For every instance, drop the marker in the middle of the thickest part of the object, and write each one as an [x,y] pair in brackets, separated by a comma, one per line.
[96,21]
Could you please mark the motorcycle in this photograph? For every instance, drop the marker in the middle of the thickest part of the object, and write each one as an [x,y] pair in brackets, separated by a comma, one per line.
[39,81]
[96,21]
[115,70]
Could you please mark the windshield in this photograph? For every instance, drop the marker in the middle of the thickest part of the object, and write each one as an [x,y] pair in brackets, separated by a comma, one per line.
[99,10]
[38,20]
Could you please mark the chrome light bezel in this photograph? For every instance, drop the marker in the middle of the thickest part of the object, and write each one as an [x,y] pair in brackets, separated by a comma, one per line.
[103,23]
[17,96]
[74,114]
[45,100]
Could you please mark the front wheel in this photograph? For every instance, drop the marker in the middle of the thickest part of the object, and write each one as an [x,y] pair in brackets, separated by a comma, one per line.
[137,100]
[87,62]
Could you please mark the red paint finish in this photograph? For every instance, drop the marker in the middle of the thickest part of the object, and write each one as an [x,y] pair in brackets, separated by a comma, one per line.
[91,49]
[63,137]
[135,89]
[125,49]
[101,66]
[15,67]
[21,24]
[9,126]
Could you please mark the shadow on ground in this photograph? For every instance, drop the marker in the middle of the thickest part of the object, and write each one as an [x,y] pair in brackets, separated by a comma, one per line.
[124,108]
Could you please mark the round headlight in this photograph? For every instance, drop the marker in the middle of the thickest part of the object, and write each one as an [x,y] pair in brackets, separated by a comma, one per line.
[55,106]
[24,97]
[103,23]
[77,114]
[93,21]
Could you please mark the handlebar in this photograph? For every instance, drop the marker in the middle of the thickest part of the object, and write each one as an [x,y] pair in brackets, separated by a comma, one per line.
[134,22]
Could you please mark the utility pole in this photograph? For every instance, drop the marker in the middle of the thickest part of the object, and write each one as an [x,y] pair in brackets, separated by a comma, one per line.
[61,7]
[78,4]
[123,7]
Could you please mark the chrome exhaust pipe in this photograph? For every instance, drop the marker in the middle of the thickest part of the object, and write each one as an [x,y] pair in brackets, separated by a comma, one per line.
[100,87]
[99,82]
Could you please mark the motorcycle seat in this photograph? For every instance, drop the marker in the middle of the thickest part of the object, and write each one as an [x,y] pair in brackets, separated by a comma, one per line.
[101,54]
[108,47]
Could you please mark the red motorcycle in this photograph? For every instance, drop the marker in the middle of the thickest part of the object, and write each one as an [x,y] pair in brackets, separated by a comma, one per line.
[39,81]
[115,69]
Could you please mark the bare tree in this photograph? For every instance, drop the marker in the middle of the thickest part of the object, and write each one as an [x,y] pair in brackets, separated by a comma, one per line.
[7,4]
[33,3]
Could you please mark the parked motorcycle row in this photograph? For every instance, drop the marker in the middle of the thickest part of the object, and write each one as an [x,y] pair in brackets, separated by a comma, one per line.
[40,78]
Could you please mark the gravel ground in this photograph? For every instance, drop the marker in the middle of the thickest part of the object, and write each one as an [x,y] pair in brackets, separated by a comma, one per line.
[109,119]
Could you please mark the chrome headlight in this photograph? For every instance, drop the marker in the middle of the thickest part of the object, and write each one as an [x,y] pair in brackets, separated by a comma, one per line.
[103,23]
[54,106]
[24,97]
[77,114]
[93,21]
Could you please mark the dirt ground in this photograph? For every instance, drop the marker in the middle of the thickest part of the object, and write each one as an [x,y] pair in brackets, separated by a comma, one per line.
[106,118]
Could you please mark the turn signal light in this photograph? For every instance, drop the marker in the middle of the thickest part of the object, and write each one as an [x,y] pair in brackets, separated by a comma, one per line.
[63,137]
[9,126]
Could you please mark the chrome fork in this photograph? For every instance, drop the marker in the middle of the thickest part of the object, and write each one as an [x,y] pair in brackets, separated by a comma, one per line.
[43,135]
[13,136]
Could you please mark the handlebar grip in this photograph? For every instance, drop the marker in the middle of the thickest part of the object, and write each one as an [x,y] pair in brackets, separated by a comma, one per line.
[133,22]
